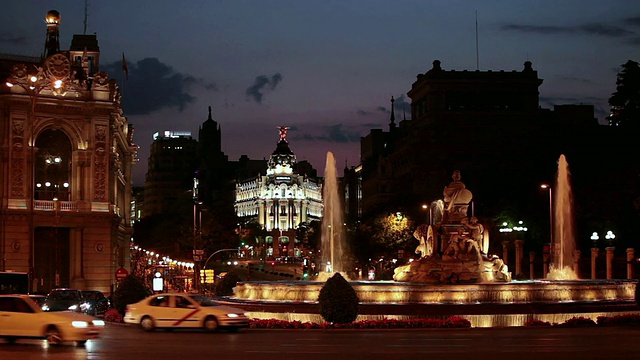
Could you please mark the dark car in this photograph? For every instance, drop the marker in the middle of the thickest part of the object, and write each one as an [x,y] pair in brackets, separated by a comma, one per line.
[95,302]
[64,299]
[38,299]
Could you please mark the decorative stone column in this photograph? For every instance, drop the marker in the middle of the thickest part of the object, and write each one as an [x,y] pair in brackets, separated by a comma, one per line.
[532,259]
[594,255]
[576,262]
[519,256]
[630,258]
[609,250]
[505,252]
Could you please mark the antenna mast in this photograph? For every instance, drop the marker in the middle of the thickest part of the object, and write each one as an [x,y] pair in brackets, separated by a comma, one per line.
[477,49]
[86,11]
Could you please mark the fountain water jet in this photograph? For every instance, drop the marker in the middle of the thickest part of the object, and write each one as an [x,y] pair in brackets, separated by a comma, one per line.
[332,238]
[564,245]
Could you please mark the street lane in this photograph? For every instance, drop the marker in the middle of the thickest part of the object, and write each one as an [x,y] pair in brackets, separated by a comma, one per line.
[128,342]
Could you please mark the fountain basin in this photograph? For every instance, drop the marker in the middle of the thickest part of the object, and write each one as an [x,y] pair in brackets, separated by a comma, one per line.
[390,292]
[484,305]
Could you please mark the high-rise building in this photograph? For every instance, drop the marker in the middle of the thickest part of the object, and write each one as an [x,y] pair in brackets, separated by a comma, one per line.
[173,164]
[66,170]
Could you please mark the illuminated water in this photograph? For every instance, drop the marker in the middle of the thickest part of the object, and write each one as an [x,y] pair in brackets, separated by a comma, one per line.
[564,244]
[332,240]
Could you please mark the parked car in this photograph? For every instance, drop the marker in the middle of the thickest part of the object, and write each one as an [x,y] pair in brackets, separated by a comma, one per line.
[21,317]
[38,299]
[64,299]
[184,311]
[95,303]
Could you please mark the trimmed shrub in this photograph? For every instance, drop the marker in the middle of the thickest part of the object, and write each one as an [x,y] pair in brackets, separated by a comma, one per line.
[224,287]
[338,301]
[579,321]
[536,323]
[131,290]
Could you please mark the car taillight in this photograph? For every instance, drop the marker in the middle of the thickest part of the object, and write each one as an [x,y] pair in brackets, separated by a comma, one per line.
[126,310]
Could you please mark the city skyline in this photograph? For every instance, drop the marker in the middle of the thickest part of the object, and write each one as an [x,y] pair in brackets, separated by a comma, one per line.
[328,69]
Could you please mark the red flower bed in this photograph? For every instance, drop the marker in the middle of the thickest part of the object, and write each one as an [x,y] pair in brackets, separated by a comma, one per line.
[452,322]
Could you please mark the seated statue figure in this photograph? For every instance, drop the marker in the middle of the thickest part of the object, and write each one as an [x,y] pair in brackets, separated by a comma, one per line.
[476,232]
[424,234]
[456,198]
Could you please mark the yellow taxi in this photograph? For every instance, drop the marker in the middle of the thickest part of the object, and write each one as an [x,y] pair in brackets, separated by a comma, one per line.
[21,317]
[180,310]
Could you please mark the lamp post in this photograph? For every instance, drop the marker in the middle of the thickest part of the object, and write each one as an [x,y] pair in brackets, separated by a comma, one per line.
[594,253]
[609,253]
[547,186]
[425,207]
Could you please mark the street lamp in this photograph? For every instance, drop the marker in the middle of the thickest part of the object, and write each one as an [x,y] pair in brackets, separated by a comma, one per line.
[595,238]
[425,207]
[610,236]
[547,186]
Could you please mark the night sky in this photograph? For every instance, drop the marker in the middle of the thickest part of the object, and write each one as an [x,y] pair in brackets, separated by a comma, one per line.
[326,68]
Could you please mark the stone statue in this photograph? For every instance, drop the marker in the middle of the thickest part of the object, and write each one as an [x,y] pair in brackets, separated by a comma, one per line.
[456,198]
[476,232]
[424,234]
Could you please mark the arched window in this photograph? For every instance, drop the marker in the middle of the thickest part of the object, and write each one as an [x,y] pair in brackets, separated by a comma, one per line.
[52,166]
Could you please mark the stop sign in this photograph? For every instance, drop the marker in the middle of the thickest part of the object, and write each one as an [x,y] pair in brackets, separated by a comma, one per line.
[121,273]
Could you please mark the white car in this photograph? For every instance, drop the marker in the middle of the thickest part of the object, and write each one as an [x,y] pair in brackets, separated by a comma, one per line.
[184,311]
[21,317]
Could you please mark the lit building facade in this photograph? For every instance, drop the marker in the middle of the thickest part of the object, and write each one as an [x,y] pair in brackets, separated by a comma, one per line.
[65,177]
[280,201]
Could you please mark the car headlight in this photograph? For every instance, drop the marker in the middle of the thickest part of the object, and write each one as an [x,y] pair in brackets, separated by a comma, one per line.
[85,306]
[79,324]
[232,315]
[98,322]
[45,307]
[72,307]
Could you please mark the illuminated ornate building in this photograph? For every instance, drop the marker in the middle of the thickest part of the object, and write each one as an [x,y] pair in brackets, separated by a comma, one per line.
[65,176]
[280,201]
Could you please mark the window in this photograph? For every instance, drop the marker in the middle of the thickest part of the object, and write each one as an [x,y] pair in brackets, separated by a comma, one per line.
[159,301]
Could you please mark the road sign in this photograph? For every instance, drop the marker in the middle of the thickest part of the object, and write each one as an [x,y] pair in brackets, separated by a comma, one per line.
[121,273]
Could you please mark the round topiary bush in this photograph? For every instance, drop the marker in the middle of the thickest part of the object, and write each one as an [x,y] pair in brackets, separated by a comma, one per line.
[224,287]
[131,290]
[338,301]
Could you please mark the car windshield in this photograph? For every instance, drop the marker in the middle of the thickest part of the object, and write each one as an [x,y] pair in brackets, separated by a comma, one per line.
[204,300]
[92,295]
[64,295]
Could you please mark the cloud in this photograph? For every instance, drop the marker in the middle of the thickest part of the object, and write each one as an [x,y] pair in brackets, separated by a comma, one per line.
[153,85]
[12,39]
[363,112]
[537,29]
[401,106]
[589,29]
[262,83]
[633,21]
[574,79]
[332,133]
[605,30]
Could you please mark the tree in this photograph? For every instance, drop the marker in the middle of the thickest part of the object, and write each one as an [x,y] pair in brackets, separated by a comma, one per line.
[129,291]
[625,101]
[338,301]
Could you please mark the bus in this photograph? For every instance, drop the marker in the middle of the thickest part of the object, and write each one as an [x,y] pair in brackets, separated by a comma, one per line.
[12,282]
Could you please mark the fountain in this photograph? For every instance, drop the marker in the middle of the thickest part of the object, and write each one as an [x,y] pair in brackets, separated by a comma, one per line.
[452,276]
[332,237]
[564,243]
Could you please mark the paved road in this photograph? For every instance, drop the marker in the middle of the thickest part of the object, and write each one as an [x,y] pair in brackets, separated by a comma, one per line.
[126,342]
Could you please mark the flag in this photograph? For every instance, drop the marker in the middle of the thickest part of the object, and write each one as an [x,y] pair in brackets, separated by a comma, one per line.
[124,67]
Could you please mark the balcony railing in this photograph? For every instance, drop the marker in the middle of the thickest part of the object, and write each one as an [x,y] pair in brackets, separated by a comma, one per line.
[50,205]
